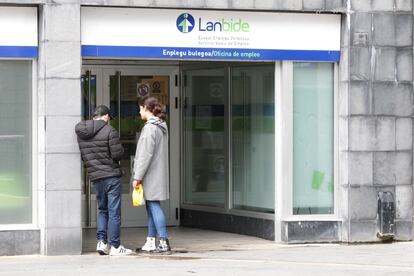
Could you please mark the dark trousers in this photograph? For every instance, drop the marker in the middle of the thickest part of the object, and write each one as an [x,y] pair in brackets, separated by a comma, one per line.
[108,197]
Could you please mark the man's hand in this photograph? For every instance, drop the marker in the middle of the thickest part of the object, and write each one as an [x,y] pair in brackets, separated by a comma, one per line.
[136,183]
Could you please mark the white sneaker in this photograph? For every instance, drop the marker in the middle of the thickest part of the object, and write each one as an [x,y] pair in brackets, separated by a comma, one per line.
[120,251]
[149,245]
[102,248]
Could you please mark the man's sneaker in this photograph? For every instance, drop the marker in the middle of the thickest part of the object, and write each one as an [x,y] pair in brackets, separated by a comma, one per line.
[120,251]
[163,247]
[149,245]
[102,248]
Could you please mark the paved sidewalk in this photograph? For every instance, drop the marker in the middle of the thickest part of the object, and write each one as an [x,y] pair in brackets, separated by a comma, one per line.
[216,253]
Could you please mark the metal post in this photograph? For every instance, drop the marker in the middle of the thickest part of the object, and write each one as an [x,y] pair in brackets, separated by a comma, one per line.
[88,185]
[118,73]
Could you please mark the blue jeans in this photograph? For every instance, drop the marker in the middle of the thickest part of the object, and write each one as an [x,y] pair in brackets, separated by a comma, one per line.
[156,219]
[108,197]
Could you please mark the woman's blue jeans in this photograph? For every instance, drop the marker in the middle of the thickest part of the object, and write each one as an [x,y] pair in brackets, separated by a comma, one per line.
[156,219]
[108,196]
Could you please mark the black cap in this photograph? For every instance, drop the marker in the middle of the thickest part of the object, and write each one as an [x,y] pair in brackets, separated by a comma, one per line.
[102,110]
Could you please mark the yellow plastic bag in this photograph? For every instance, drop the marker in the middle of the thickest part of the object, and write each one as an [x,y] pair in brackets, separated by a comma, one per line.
[138,196]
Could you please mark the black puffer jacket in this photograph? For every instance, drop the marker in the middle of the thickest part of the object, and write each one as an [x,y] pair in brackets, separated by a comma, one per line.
[100,148]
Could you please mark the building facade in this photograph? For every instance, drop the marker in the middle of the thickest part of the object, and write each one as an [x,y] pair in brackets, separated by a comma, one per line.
[287,119]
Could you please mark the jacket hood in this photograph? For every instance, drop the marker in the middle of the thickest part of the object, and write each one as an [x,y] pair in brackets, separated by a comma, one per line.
[159,123]
[88,129]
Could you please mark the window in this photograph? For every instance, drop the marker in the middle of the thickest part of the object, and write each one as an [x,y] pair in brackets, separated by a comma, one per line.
[229,140]
[252,137]
[204,133]
[313,138]
[15,142]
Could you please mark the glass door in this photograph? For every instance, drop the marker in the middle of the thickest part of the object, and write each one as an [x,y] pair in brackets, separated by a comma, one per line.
[121,90]
[204,144]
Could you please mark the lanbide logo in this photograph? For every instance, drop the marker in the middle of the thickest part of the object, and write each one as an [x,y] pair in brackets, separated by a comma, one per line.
[185,23]
[224,25]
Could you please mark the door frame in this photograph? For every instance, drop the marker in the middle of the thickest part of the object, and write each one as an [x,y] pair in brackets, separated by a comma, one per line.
[102,73]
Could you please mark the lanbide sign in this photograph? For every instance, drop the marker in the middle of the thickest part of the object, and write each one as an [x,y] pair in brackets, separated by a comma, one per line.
[207,34]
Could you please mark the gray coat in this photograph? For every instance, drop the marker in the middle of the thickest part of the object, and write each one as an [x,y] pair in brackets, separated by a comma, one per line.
[151,160]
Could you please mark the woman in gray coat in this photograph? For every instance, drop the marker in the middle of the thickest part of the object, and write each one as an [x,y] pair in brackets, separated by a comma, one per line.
[151,171]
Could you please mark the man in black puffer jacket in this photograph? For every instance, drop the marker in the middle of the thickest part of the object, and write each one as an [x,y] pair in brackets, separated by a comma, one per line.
[101,151]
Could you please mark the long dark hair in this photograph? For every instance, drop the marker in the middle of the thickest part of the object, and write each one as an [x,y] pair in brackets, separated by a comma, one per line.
[154,106]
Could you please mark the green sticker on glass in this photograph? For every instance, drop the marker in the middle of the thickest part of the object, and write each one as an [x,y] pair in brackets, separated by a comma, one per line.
[317,179]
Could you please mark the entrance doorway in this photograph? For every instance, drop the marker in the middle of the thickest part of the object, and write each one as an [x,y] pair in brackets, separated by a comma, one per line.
[221,122]
[120,89]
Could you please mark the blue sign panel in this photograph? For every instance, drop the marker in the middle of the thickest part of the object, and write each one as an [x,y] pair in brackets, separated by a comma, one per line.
[18,51]
[207,53]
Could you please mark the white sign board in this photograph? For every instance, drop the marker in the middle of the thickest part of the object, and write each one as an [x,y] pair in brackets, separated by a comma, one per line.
[18,32]
[207,34]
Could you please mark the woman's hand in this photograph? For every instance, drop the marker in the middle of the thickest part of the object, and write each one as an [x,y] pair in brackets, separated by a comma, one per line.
[136,183]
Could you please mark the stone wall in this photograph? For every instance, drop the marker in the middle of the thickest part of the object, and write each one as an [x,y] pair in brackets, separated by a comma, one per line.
[59,100]
[379,57]
[273,5]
